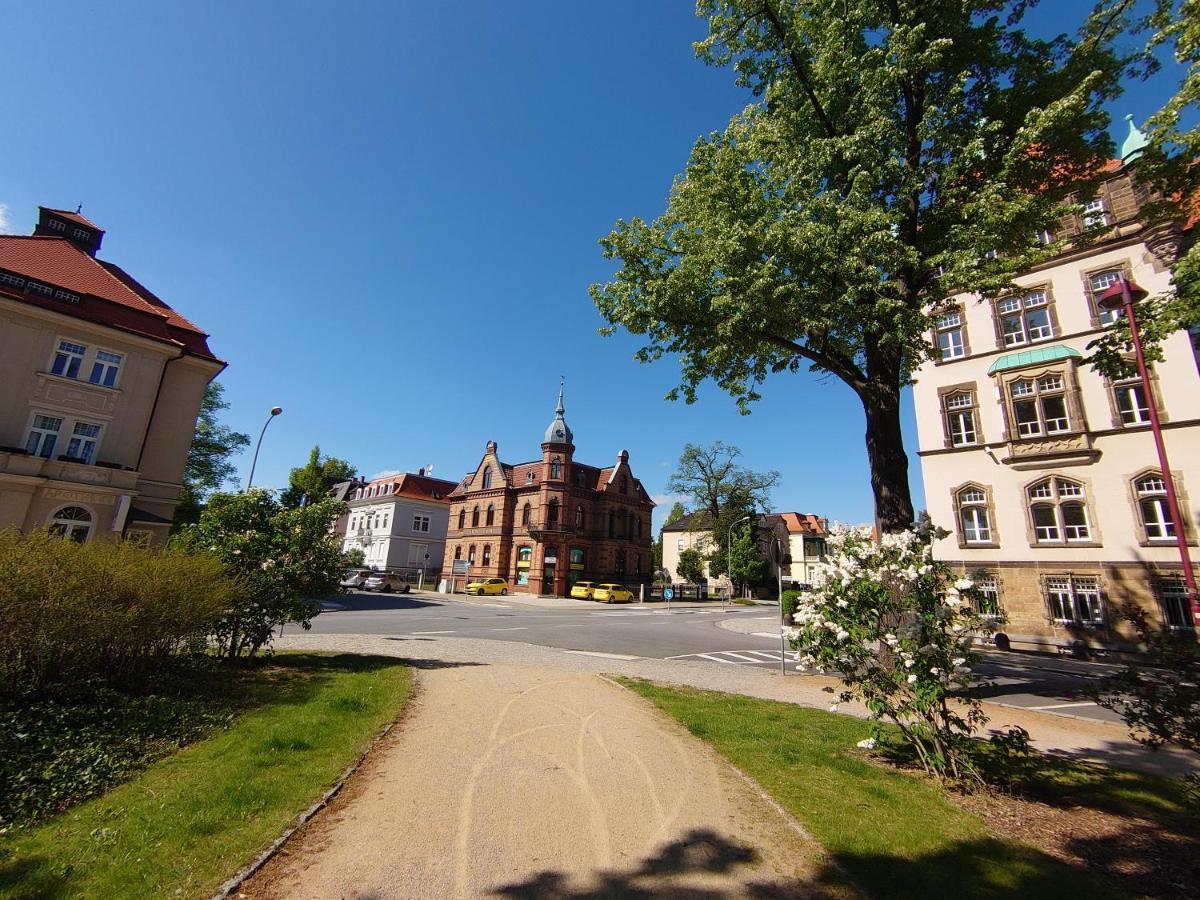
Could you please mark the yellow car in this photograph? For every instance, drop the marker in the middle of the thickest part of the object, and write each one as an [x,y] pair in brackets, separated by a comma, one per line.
[488,586]
[612,593]
[583,590]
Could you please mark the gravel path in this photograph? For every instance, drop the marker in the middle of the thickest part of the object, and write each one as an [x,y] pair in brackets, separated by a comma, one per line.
[1096,740]
[514,781]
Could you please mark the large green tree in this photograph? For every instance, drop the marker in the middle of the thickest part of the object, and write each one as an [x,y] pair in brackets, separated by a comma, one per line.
[210,457]
[896,153]
[722,491]
[311,482]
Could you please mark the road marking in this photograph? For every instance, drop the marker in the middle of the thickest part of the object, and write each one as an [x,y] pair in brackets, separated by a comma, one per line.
[431,632]
[1063,705]
[764,634]
[742,656]
[602,655]
[514,628]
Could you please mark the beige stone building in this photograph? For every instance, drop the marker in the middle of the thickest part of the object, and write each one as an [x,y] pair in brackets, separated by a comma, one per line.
[102,386]
[1045,472]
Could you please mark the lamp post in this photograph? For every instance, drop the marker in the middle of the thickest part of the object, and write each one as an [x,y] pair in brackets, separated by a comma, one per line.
[782,640]
[1121,295]
[275,410]
[729,552]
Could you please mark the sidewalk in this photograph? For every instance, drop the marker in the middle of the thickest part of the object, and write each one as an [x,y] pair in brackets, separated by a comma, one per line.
[1103,742]
[514,781]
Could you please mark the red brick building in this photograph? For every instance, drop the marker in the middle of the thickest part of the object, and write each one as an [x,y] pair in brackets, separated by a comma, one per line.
[544,525]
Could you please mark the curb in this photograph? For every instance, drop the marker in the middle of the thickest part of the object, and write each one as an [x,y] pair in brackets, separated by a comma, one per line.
[244,874]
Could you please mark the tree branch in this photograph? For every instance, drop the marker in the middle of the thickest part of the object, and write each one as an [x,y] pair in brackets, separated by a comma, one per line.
[799,71]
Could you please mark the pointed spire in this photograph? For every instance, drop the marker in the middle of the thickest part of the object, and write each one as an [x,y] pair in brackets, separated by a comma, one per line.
[1135,142]
[560,410]
[559,432]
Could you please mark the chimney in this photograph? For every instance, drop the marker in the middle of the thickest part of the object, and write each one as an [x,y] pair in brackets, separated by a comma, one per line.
[421,473]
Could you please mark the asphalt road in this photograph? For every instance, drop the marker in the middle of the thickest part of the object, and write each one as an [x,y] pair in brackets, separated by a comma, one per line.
[684,632]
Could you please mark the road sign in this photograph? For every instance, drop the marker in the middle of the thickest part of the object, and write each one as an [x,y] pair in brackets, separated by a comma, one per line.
[668,594]
[460,567]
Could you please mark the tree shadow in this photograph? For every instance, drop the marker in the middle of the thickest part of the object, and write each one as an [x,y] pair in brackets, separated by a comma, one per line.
[700,851]
[363,602]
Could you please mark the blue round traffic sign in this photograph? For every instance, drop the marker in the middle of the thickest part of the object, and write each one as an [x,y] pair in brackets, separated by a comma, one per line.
[668,594]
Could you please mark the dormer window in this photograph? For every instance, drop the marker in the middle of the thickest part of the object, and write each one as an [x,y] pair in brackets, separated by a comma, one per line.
[487,478]
[56,225]
[82,234]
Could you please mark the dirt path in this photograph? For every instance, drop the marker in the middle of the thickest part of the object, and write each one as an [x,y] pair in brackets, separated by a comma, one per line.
[507,781]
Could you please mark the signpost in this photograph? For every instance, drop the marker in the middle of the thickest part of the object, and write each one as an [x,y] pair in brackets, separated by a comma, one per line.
[459,567]
[668,593]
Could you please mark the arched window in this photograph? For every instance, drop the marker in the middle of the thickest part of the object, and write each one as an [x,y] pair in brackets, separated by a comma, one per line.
[72,522]
[491,514]
[462,518]
[579,517]
[973,515]
[487,478]
[475,517]
[471,554]
[487,554]
[525,554]
[458,552]
[1059,511]
[555,468]
[1151,492]
[552,514]
[525,514]
[612,523]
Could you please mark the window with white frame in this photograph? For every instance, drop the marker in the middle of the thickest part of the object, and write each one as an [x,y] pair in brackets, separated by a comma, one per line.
[421,523]
[1074,600]
[67,359]
[1095,213]
[950,335]
[1025,319]
[1098,283]
[1045,237]
[959,409]
[1153,508]
[987,594]
[105,368]
[56,225]
[83,234]
[1131,402]
[1059,512]
[43,435]
[1039,406]
[973,516]
[1173,595]
[679,544]
[72,522]
[85,438]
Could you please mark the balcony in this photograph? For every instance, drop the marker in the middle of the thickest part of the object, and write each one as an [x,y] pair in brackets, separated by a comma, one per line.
[1053,450]
[14,461]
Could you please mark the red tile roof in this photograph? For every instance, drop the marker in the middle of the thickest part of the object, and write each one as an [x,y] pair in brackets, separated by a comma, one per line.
[803,523]
[110,296]
[418,487]
[72,216]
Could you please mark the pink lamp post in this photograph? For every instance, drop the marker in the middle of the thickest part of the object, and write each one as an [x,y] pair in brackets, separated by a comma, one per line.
[1121,295]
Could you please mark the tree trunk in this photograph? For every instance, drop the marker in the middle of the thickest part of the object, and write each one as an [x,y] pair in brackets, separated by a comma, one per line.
[885,452]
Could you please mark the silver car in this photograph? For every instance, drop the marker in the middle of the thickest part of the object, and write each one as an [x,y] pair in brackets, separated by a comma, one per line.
[355,579]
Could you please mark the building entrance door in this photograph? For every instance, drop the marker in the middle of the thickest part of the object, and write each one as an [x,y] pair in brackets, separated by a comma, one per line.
[548,579]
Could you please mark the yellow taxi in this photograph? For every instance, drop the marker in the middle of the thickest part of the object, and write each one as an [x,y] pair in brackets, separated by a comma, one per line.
[488,586]
[612,593]
[583,590]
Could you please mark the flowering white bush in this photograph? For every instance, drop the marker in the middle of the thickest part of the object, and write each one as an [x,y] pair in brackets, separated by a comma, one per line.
[896,626]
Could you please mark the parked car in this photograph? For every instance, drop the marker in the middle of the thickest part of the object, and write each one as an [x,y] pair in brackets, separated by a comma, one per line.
[612,593]
[355,578]
[583,590]
[488,586]
[386,583]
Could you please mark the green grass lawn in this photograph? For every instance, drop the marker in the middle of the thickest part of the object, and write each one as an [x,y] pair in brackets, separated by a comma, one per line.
[190,820]
[894,834]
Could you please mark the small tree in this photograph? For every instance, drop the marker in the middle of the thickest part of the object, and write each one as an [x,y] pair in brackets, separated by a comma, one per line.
[312,481]
[904,674]
[691,565]
[746,563]
[209,466]
[281,558]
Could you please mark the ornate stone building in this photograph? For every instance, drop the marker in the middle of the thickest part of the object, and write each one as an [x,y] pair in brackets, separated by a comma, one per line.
[1043,470]
[545,524]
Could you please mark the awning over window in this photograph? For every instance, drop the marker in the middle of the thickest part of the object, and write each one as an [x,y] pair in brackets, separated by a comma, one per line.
[1032,358]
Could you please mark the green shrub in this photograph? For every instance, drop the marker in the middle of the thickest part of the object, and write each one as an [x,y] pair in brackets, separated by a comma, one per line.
[789,601]
[73,611]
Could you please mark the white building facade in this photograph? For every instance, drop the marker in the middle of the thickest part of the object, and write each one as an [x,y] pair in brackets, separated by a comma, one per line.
[400,522]
[1044,471]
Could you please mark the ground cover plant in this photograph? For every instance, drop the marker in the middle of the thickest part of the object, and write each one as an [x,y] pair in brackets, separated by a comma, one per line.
[897,833]
[191,819]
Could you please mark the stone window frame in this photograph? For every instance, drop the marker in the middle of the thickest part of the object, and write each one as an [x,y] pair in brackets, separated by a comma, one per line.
[1135,498]
[580,517]
[936,330]
[1067,368]
[475,516]
[1056,331]
[487,478]
[962,387]
[1123,266]
[1094,537]
[1176,583]
[977,575]
[1101,596]
[490,515]
[1114,406]
[471,555]
[989,506]
[555,469]
[462,517]
[486,559]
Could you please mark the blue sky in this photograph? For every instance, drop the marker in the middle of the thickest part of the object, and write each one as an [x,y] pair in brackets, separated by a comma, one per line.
[387,217]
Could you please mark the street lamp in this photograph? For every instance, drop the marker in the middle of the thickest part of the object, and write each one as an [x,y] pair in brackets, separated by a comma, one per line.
[729,552]
[1120,295]
[275,410]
